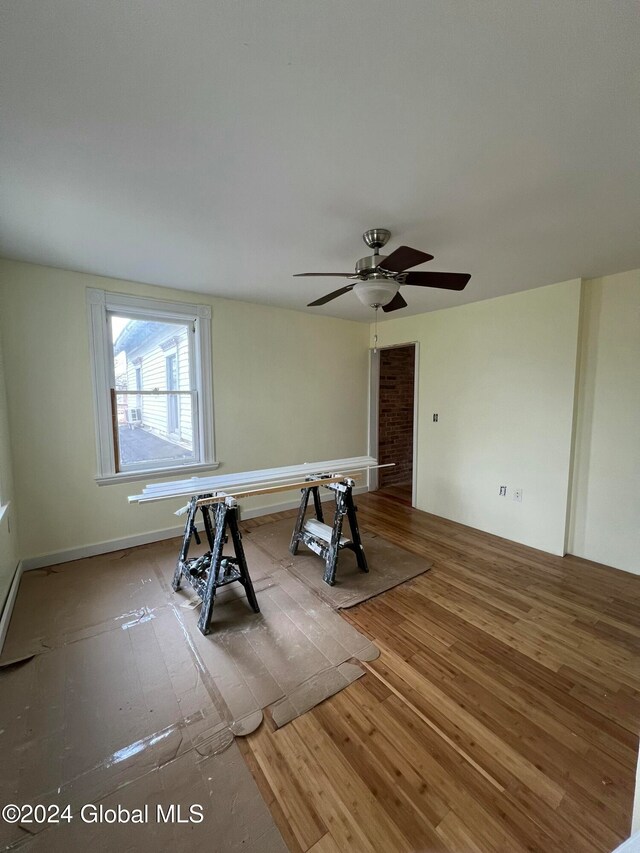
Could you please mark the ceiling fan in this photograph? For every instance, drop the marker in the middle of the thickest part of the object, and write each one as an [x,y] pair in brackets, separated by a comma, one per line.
[378,277]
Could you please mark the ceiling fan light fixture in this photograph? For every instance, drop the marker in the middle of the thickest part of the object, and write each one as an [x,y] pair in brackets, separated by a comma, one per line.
[376,293]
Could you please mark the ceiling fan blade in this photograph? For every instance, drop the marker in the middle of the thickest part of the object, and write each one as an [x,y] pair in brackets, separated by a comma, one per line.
[444,280]
[340,274]
[403,258]
[397,302]
[329,296]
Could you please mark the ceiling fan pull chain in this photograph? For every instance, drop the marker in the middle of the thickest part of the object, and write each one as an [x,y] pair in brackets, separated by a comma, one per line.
[375,335]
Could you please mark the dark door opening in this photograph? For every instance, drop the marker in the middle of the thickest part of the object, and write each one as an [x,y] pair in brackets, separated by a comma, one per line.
[395,420]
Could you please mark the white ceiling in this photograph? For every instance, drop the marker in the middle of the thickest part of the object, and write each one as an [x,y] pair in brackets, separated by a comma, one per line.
[223,145]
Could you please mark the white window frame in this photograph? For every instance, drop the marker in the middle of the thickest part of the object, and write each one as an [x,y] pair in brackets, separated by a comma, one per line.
[102,303]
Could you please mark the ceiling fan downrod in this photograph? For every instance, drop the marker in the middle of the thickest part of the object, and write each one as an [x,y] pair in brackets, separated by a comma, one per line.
[374,238]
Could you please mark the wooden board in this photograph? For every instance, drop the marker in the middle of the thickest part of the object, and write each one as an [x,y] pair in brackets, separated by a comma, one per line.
[241,493]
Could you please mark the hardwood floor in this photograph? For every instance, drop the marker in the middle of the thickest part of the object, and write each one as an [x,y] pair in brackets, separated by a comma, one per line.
[502,714]
[401,492]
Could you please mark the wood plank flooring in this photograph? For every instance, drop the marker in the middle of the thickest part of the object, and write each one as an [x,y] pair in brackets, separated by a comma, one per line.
[502,714]
[400,492]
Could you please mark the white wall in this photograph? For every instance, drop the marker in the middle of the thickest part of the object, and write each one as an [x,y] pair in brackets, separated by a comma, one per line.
[8,525]
[288,388]
[500,374]
[605,518]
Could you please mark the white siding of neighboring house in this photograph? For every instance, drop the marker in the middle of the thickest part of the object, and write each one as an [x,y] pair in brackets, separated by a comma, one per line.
[186,419]
[153,364]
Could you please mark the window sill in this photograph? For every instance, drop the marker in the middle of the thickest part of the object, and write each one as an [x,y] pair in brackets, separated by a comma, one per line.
[155,474]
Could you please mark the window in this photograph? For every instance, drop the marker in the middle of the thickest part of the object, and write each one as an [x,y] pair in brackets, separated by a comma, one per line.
[152,380]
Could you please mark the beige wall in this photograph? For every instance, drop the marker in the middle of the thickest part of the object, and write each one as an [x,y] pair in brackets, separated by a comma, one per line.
[605,519]
[8,527]
[500,374]
[288,388]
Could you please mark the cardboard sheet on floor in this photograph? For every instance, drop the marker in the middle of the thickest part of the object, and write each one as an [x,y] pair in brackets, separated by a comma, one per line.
[259,659]
[108,719]
[65,603]
[117,688]
[234,819]
[389,565]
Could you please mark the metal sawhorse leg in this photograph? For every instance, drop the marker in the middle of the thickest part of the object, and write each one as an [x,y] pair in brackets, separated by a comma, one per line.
[327,541]
[213,570]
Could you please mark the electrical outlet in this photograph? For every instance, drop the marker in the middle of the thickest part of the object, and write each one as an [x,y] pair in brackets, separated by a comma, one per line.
[435,418]
[503,491]
[517,495]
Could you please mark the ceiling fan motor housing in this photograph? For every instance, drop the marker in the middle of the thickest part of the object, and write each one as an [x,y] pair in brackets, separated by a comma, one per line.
[367,266]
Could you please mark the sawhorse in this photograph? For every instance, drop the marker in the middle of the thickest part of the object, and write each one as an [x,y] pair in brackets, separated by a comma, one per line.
[207,573]
[327,541]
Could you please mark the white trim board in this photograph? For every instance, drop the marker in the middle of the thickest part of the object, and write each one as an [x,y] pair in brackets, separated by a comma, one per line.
[7,610]
[224,482]
[84,551]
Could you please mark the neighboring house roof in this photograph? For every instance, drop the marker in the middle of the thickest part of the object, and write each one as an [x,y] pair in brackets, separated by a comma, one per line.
[139,336]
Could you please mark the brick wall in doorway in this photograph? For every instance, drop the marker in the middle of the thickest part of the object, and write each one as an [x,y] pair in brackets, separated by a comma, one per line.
[395,423]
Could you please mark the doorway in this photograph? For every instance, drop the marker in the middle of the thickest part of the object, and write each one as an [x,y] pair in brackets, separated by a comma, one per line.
[393,420]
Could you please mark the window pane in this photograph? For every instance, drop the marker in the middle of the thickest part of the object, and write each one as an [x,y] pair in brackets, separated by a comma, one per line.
[153,356]
[155,429]
[150,355]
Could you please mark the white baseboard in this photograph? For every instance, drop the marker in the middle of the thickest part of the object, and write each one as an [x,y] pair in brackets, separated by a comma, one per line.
[7,610]
[84,551]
